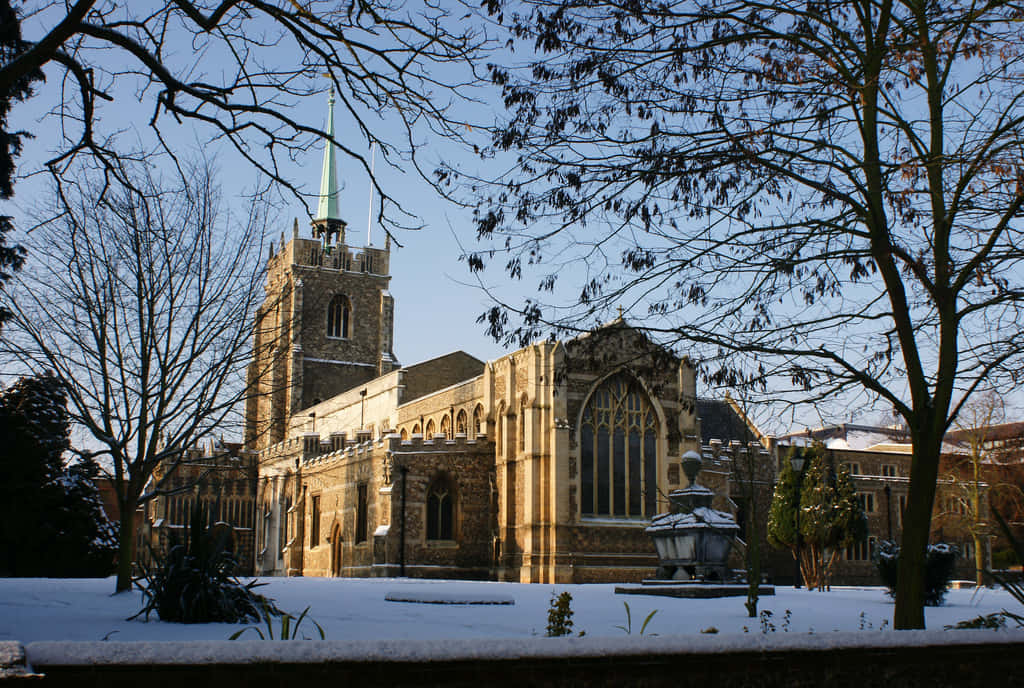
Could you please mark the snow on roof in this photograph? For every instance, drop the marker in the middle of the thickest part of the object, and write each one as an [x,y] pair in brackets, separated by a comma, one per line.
[701,517]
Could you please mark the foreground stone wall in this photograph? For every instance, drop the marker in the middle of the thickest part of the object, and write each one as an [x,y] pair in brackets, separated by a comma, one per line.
[908,659]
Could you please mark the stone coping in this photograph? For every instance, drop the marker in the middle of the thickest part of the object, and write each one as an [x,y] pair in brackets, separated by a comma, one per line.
[41,655]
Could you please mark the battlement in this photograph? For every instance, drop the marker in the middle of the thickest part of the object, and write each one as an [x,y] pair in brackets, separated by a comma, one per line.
[438,443]
[717,452]
[340,257]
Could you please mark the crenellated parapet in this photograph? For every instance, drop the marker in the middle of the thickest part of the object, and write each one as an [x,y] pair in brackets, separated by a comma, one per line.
[438,443]
[719,454]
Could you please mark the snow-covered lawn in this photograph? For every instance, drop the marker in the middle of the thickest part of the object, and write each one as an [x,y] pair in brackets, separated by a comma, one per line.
[356,609]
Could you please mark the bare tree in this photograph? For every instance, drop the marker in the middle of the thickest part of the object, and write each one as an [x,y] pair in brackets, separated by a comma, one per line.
[241,69]
[972,478]
[141,305]
[821,198]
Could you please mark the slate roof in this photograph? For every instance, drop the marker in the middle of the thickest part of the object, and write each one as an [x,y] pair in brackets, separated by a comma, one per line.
[719,421]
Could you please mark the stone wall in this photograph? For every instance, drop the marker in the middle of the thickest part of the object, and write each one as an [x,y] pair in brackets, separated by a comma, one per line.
[468,466]
[910,659]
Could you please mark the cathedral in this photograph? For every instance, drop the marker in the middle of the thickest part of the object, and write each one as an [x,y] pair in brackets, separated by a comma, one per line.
[544,465]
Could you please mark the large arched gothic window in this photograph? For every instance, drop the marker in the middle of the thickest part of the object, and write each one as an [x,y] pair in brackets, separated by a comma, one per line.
[461,423]
[339,317]
[430,432]
[618,451]
[441,510]
[446,426]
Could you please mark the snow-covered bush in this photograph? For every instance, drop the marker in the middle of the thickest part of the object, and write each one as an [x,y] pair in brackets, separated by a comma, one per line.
[940,560]
[52,523]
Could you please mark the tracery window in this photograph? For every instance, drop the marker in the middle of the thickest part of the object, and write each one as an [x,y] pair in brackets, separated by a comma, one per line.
[618,451]
[339,316]
[460,423]
[446,427]
[430,429]
[441,510]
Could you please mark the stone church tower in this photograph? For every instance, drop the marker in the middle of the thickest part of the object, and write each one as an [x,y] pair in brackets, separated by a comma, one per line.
[327,321]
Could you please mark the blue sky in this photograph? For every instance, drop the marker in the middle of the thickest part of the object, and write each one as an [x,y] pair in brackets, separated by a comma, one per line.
[437,302]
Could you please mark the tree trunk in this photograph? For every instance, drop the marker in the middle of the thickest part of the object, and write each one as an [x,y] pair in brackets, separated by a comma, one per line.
[910,579]
[125,548]
[753,566]
[979,559]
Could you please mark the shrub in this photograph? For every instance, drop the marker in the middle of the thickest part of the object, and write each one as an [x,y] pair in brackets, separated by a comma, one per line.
[560,615]
[1005,559]
[195,582]
[939,562]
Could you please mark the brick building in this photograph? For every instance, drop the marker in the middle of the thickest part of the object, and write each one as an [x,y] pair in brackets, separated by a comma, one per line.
[221,478]
[878,460]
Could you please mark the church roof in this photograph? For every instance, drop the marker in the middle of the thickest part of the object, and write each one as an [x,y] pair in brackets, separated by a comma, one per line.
[428,376]
[719,421]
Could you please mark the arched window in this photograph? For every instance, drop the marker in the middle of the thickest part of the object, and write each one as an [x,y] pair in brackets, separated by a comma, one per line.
[405,434]
[416,430]
[446,426]
[618,451]
[441,510]
[339,317]
[430,429]
[478,420]
[461,423]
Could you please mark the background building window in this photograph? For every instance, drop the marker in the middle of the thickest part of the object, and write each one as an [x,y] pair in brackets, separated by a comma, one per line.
[867,501]
[889,470]
[440,510]
[339,315]
[618,451]
[861,551]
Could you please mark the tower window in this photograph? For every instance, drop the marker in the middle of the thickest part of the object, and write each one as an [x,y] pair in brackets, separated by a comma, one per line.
[339,317]
[440,510]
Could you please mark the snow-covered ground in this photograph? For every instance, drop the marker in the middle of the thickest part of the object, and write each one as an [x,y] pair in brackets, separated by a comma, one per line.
[356,609]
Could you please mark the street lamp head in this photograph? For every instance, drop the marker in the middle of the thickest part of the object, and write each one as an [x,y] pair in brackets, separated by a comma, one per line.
[797,459]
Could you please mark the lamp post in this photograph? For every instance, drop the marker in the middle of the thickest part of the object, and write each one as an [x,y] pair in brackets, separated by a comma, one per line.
[798,461]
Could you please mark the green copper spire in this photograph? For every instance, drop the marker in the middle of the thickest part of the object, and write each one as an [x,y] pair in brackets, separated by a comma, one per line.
[328,207]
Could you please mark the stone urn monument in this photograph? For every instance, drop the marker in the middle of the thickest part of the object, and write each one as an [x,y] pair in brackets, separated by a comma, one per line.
[693,540]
